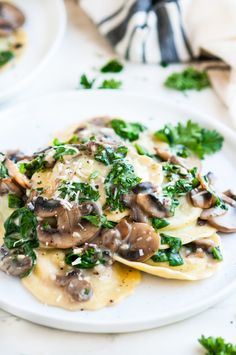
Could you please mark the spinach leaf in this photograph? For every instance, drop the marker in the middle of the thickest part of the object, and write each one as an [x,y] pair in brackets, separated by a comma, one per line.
[171,254]
[159,223]
[109,155]
[37,164]
[216,253]
[15,201]
[78,191]
[120,180]
[113,66]
[85,259]
[100,221]
[21,234]
[85,83]
[62,150]
[188,79]
[5,57]
[3,169]
[142,151]
[127,130]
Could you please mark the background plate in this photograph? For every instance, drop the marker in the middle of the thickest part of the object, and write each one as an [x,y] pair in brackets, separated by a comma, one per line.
[45,26]
[156,301]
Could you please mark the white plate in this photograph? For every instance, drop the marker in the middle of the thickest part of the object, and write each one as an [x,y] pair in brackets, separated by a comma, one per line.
[156,301]
[45,25]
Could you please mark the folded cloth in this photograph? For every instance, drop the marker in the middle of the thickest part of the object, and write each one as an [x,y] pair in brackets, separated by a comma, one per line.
[171,31]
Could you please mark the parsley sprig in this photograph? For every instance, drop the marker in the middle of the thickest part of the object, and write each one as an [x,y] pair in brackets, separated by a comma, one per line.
[127,130]
[200,141]
[113,66]
[217,346]
[188,79]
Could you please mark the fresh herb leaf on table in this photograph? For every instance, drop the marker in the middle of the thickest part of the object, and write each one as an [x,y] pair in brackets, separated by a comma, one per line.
[217,346]
[127,130]
[111,84]
[189,79]
[200,141]
[85,83]
[113,66]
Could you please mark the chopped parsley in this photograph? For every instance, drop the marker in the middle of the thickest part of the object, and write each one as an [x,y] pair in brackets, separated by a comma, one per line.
[15,201]
[159,223]
[100,221]
[5,57]
[85,83]
[61,150]
[200,141]
[109,155]
[78,191]
[111,84]
[36,164]
[113,66]
[170,255]
[180,188]
[127,130]
[85,259]
[20,233]
[188,79]
[217,346]
[120,181]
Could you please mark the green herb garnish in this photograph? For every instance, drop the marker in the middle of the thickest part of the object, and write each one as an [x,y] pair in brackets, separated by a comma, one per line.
[159,223]
[142,151]
[100,221]
[217,346]
[3,169]
[5,57]
[36,164]
[85,259]
[120,180]
[85,83]
[127,130]
[170,255]
[78,191]
[20,233]
[200,141]
[216,253]
[15,201]
[113,66]
[111,84]
[61,150]
[109,155]
[188,79]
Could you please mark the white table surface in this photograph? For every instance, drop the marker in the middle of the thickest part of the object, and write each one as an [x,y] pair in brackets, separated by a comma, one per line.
[82,50]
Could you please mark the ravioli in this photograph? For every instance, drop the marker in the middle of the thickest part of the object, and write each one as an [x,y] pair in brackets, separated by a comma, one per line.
[110,284]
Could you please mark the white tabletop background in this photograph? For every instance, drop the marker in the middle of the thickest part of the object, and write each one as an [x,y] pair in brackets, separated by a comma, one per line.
[82,50]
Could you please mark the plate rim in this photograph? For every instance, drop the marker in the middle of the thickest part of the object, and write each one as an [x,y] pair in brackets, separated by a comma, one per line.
[27,79]
[130,325]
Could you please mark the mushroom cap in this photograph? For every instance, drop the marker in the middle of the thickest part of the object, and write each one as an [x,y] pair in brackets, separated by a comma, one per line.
[11,18]
[202,198]
[141,243]
[15,265]
[154,205]
[16,175]
[226,222]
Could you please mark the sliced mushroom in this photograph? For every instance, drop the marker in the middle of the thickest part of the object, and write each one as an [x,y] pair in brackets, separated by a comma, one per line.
[226,222]
[202,198]
[14,173]
[140,244]
[7,185]
[11,18]
[13,264]
[229,193]
[154,205]
[188,163]
[137,214]
[212,212]
[67,229]
[79,289]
